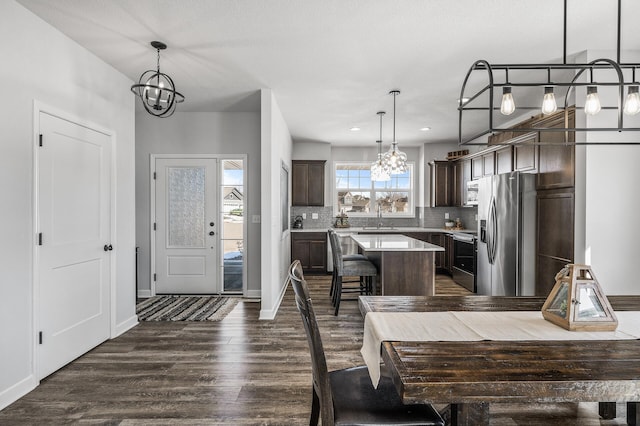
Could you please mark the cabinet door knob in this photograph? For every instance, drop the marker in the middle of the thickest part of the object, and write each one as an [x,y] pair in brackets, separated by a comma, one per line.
[212,233]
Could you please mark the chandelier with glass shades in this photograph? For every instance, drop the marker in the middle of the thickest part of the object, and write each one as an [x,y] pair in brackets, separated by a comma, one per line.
[156,90]
[549,79]
[379,170]
[395,160]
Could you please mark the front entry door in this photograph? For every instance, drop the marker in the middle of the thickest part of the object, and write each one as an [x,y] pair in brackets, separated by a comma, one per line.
[186,228]
[73,255]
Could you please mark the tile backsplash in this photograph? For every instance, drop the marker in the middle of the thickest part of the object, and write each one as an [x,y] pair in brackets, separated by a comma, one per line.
[432,217]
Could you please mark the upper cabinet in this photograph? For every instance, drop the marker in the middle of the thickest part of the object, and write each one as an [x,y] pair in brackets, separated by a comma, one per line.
[483,165]
[441,183]
[307,183]
[556,159]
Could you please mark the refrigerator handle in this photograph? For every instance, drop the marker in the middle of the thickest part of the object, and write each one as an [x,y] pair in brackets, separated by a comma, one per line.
[494,230]
[490,229]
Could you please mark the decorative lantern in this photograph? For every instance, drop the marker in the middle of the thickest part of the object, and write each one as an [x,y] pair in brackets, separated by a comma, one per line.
[577,302]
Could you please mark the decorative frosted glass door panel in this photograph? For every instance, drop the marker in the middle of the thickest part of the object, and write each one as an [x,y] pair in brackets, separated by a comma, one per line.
[185,207]
[186,228]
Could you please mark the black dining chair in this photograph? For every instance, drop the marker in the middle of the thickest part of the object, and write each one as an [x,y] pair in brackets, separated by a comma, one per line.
[365,271]
[347,397]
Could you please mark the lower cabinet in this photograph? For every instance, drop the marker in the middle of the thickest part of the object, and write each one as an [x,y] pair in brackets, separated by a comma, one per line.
[437,238]
[311,249]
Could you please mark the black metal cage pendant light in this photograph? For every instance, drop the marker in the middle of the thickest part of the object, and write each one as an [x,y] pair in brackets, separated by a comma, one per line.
[548,80]
[156,89]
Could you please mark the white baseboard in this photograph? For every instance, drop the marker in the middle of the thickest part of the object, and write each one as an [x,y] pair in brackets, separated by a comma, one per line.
[269,314]
[144,294]
[253,294]
[126,325]
[17,391]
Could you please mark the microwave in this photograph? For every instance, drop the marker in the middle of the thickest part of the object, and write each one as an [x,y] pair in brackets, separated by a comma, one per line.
[472,193]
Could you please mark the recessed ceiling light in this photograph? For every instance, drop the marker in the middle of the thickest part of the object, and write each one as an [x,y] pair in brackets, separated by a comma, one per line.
[425,129]
[355,129]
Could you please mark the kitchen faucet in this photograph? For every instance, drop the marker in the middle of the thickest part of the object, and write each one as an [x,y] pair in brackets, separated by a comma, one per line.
[379,214]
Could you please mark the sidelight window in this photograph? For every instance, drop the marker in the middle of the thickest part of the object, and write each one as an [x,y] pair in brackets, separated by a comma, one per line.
[233,216]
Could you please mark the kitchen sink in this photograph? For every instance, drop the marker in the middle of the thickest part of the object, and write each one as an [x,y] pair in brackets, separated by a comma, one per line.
[380,228]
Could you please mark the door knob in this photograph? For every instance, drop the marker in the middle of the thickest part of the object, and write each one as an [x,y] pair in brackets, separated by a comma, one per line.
[108,247]
[212,233]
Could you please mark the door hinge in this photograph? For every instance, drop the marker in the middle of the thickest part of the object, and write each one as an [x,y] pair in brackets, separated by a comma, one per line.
[154,277]
[154,175]
[40,139]
[40,337]
[40,239]
[154,226]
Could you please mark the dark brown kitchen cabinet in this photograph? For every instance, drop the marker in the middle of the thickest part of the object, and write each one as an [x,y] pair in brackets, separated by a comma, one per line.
[311,249]
[307,183]
[476,168]
[556,159]
[525,153]
[483,165]
[504,160]
[439,239]
[555,236]
[458,185]
[489,164]
[441,183]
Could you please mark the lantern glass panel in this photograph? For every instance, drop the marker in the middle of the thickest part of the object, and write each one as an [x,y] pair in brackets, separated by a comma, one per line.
[589,306]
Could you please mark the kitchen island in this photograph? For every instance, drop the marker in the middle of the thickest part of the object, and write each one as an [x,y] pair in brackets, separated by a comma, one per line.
[405,265]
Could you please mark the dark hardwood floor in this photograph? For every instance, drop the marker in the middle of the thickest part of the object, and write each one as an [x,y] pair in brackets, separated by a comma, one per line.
[239,371]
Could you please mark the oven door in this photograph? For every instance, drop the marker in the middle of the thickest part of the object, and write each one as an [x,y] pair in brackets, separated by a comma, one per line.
[464,261]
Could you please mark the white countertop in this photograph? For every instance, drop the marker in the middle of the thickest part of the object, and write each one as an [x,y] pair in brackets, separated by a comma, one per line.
[374,230]
[392,243]
[399,229]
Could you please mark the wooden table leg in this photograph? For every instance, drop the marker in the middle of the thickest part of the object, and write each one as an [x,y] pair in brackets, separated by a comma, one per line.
[607,410]
[633,413]
[476,414]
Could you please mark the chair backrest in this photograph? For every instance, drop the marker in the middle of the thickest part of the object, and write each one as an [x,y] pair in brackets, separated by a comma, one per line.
[336,250]
[318,361]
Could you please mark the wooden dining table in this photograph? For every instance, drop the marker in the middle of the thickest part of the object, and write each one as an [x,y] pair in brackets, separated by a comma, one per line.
[470,375]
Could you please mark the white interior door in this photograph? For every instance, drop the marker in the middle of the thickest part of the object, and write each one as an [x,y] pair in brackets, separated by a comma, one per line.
[186,226]
[73,220]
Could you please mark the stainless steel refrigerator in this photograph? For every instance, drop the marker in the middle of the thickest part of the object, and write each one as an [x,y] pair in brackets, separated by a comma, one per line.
[506,235]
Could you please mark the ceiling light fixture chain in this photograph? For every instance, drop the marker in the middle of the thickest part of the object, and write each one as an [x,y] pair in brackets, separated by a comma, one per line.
[395,159]
[379,169]
[157,90]
[609,81]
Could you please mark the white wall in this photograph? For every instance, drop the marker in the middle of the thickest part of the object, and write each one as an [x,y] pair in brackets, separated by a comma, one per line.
[40,63]
[276,245]
[198,133]
[607,202]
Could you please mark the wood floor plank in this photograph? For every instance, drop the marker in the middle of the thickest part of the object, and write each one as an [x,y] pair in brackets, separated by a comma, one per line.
[239,371]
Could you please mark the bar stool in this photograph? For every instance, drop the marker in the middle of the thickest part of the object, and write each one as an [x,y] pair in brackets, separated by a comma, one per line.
[347,256]
[363,269]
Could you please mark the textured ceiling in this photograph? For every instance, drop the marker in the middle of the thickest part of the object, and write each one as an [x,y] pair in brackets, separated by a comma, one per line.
[331,63]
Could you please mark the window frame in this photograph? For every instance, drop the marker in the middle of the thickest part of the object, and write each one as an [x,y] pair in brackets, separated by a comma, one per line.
[373,191]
